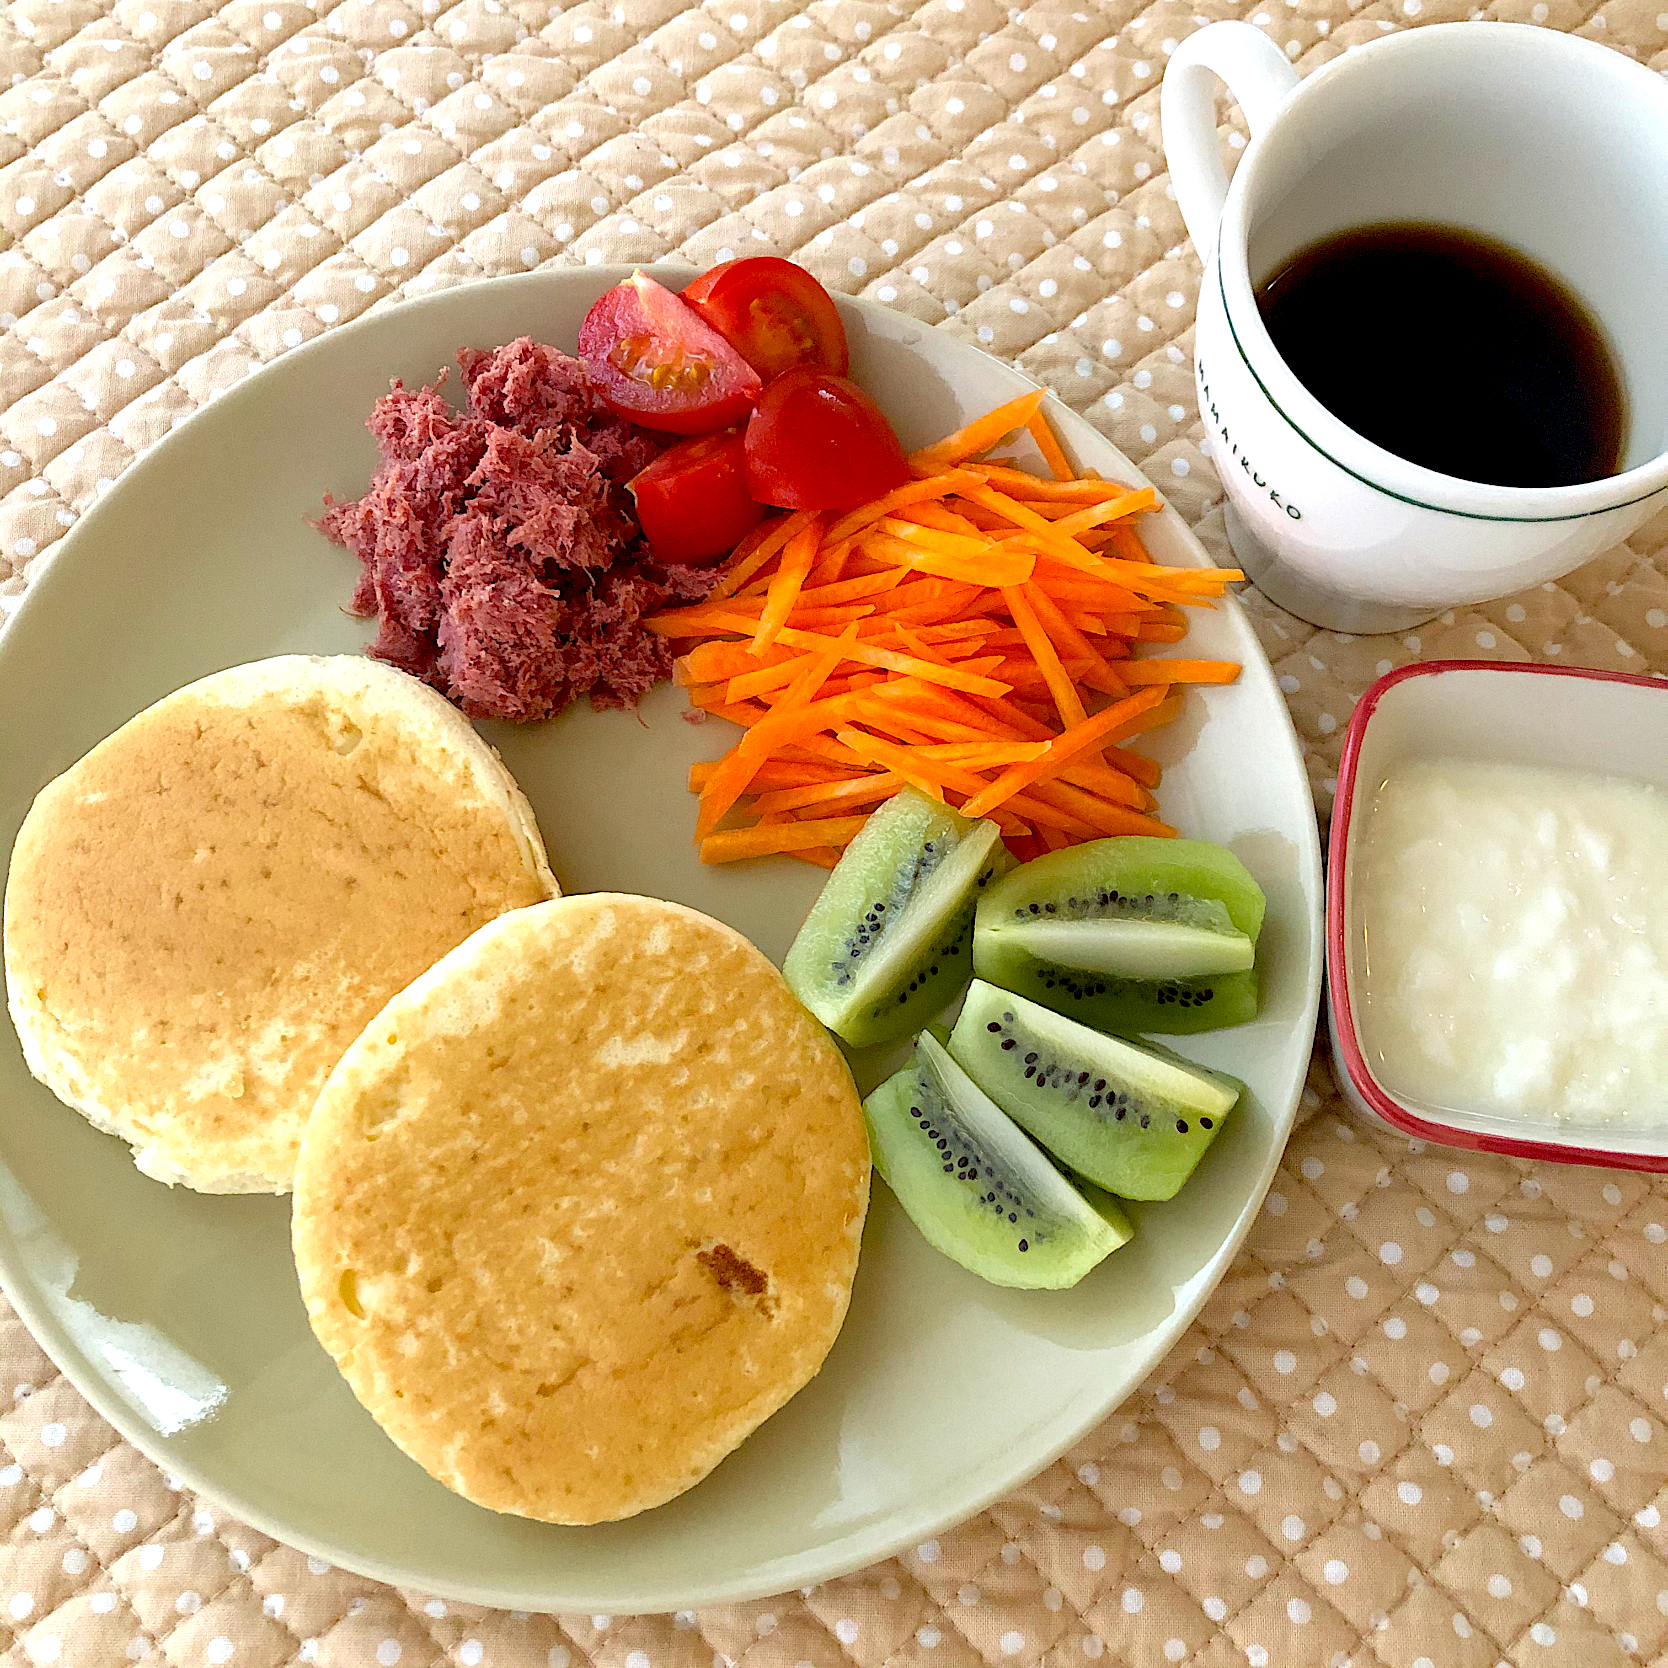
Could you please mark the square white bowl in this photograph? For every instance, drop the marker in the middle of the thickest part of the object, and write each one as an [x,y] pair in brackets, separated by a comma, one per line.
[1562,717]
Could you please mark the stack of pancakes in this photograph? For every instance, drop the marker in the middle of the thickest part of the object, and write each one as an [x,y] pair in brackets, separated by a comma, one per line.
[578,1183]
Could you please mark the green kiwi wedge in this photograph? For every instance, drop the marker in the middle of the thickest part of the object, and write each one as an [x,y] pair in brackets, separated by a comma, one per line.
[1135,1119]
[976,1186]
[888,944]
[1132,934]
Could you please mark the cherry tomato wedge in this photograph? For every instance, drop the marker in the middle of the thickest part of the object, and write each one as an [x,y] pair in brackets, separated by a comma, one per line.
[655,361]
[692,501]
[817,442]
[773,313]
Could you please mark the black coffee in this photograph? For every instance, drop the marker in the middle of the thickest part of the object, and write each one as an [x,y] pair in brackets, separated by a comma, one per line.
[1452,351]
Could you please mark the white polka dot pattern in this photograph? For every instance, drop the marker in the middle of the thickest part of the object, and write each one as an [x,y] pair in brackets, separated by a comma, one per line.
[1422,1421]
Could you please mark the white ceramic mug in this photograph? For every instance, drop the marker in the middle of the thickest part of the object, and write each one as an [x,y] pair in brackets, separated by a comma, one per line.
[1549,143]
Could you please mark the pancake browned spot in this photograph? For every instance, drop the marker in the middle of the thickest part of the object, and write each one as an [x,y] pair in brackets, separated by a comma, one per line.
[581,1207]
[204,911]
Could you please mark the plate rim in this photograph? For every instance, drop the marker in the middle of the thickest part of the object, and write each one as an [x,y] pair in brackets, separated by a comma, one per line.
[862,1546]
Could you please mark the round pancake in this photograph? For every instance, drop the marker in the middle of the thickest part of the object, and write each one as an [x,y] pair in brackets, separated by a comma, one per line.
[204,911]
[581,1208]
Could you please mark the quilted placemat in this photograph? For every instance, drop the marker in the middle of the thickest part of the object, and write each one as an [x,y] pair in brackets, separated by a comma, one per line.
[1422,1423]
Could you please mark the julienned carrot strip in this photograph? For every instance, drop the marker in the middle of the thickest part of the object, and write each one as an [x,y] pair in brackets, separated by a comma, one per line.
[1063,748]
[850,790]
[940,515]
[952,677]
[993,566]
[766,838]
[731,779]
[1104,783]
[1112,509]
[825,857]
[969,546]
[785,587]
[831,566]
[978,436]
[1029,489]
[810,595]
[963,634]
[1103,818]
[1160,631]
[940,485]
[934,778]
[1053,454]
[774,537]
[1137,766]
[1085,590]
[1038,526]
[1061,630]
[982,755]
[802,724]
[766,678]
[1140,672]
[1064,692]
[774,774]
[926,774]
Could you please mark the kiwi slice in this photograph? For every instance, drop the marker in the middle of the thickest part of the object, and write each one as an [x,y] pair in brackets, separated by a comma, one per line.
[1135,1119]
[1128,934]
[888,944]
[975,1185]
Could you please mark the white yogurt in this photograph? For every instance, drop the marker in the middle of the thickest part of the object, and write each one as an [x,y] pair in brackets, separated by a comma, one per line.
[1515,951]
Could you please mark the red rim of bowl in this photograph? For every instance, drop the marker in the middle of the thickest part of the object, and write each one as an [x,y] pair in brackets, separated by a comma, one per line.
[1337,969]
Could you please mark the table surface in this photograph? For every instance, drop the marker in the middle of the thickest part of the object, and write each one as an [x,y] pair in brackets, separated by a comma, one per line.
[1422,1422]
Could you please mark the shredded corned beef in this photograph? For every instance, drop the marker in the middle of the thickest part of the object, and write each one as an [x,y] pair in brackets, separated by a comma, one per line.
[498,545]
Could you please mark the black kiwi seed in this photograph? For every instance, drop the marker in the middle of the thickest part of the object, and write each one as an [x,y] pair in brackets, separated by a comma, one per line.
[1205,1123]
[1008,1042]
[1181,1126]
[993,1026]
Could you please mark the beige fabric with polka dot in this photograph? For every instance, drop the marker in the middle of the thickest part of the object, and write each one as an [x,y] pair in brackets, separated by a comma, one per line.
[1422,1423]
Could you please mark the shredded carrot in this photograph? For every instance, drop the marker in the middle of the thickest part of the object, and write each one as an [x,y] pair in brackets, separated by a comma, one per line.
[771,537]
[851,790]
[797,561]
[778,773]
[1067,701]
[766,838]
[991,640]
[1053,454]
[1062,749]
[978,436]
[1179,671]
[994,565]
[911,492]
[727,784]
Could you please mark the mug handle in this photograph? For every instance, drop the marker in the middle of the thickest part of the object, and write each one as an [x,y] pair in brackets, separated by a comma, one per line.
[1256,74]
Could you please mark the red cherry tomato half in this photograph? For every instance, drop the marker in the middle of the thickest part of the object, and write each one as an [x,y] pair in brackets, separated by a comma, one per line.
[655,361]
[773,313]
[692,501]
[818,442]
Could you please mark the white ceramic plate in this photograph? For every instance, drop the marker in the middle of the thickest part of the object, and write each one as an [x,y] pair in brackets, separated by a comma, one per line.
[177,1315]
